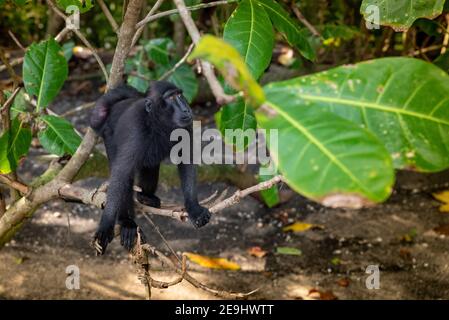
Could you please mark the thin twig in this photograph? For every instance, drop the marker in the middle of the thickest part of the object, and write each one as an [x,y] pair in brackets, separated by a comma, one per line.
[304,21]
[82,107]
[141,27]
[151,18]
[194,33]
[14,184]
[108,15]
[10,100]
[13,37]
[82,38]
[178,64]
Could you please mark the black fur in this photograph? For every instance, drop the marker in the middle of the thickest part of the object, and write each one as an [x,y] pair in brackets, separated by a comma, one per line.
[136,130]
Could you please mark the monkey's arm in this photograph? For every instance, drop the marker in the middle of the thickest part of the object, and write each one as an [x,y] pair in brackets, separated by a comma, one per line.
[198,215]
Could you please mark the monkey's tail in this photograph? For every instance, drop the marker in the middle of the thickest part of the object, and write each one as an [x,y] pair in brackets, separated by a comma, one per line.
[103,105]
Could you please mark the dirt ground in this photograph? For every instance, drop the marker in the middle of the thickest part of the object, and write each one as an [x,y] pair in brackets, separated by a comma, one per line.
[398,236]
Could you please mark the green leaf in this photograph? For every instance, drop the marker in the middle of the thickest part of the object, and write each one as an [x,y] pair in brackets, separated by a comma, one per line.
[184,78]
[403,101]
[44,71]
[249,30]
[14,144]
[20,2]
[289,251]
[239,117]
[139,81]
[324,157]
[59,137]
[288,27]
[159,50]
[229,62]
[270,196]
[83,5]
[67,48]
[400,14]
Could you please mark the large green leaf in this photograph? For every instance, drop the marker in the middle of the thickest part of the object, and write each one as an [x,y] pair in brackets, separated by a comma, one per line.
[238,116]
[59,137]
[400,14]
[159,50]
[229,62]
[288,27]
[404,101]
[44,71]
[14,144]
[249,30]
[325,157]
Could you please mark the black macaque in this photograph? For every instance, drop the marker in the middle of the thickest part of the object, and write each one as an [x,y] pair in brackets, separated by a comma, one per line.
[136,130]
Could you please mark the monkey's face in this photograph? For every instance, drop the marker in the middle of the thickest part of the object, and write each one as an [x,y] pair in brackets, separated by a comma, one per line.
[171,109]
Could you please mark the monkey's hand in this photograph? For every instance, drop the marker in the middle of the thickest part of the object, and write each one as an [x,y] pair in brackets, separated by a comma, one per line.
[198,215]
[105,233]
[128,233]
[151,200]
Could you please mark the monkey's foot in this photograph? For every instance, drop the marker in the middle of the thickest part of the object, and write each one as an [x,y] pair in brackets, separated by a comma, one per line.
[151,201]
[198,215]
[103,237]
[128,233]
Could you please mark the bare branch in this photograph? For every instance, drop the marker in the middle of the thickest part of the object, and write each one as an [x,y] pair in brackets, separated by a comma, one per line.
[148,16]
[14,184]
[108,15]
[81,37]
[13,37]
[178,64]
[98,199]
[304,21]
[126,34]
[10,100]
[215,86]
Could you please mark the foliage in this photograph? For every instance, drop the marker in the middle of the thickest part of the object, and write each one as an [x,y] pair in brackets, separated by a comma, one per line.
[341,132]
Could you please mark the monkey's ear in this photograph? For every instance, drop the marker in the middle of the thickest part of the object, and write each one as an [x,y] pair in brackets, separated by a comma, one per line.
[148,104]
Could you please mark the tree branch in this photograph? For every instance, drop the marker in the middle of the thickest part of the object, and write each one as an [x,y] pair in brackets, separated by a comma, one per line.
[97,198]
[178,64]
[215,86]
[108,15]
[141,27]
[14,184]
[150,18]
[81,37]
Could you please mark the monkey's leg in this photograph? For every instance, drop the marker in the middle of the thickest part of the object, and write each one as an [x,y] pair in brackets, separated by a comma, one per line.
[198,215]
[148,179]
